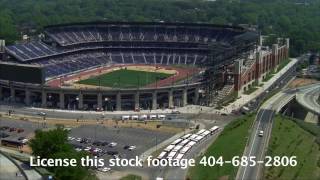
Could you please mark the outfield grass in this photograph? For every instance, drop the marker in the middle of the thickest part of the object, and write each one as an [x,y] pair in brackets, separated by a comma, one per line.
[288,139]
[125,78]
[230,143]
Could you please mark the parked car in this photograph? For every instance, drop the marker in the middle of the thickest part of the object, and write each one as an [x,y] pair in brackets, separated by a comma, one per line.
[20,130]
[112,153]
[78,149]
[104,169]
[12,129]
[112,144]
[25,141]
[104,143]
[20,138]
[71,138]
[132,148]
[4,135]
[4,127]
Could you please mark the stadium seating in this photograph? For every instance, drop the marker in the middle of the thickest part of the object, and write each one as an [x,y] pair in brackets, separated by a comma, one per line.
[32,50]
[83,34]
[68,64]
[76,48]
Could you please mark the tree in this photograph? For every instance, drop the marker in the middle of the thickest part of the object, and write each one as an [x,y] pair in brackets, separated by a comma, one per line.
[46,144]
[53,144]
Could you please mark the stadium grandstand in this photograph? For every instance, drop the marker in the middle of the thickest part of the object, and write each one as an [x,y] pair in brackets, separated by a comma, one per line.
[209,52]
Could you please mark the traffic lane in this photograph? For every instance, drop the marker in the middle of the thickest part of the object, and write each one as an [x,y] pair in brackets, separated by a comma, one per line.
[258,149]
[312,97]
[254,145]
[8,170]
[265,142]
[256,142]
[308,98]
[55,113]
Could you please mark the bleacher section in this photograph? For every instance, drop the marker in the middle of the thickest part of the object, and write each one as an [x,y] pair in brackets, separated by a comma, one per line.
[33,50]
[73,47]
[70,35]
[82,61]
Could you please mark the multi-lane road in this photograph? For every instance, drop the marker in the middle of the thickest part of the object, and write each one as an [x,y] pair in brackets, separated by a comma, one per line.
[257,145]
[308,98]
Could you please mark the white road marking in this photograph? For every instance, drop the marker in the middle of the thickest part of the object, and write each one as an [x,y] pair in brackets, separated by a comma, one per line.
[245,169]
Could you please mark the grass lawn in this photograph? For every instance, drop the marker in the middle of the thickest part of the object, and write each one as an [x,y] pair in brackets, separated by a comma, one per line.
[230,143]
[268,76]
[282,64]
[131,177]
[125,78]
[288,139]
[250,90]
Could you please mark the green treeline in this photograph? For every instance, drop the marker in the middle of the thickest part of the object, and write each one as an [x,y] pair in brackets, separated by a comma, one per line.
[282,17]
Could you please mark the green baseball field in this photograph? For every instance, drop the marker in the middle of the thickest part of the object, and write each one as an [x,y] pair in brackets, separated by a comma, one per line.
[125,78]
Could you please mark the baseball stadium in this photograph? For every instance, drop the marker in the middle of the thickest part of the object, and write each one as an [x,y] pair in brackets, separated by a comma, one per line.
[134,65]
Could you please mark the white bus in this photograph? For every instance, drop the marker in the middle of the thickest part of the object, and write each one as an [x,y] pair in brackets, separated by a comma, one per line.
[205,133]
[190,144]
[134,117]
[201,131]
[126,117]
[192,137]
[186,136]
[214,129]
[176,148]
[177,141]
[161,116]
[169,148]
[184,142]
[179,156]
[171,155]
[185,149]
[143,117]
[153,117]
[162,155]
[199,138]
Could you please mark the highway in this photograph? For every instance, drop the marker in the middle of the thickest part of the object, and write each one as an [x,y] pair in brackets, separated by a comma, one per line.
[257,146]
[308,98]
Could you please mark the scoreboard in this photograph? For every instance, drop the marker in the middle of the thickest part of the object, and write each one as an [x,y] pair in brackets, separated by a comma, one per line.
[22,73]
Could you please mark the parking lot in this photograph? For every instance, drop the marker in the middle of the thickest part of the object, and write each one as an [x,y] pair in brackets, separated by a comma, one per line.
[16,129]
[98,140]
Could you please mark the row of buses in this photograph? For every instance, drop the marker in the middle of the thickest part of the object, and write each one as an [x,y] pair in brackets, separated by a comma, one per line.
[144,117]
[178,148]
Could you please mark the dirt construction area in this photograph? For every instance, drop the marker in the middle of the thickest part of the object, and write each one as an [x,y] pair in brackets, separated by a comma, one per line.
[297,82]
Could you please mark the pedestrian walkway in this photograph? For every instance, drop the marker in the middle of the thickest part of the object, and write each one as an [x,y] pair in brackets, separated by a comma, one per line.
[8,170]
[30,173]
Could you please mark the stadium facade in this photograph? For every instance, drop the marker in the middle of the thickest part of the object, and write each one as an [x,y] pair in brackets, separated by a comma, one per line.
[232,59]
